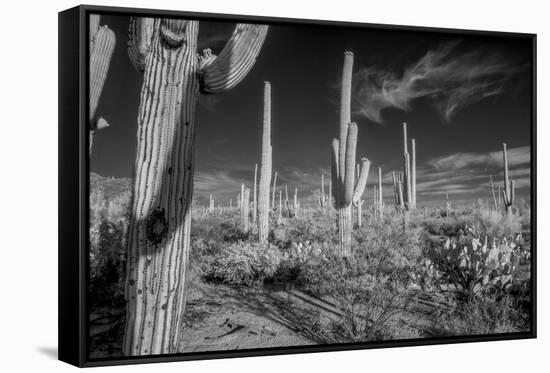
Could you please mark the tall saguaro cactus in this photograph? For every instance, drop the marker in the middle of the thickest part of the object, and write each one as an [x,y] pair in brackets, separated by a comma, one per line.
[255,200]
[509,192]
[159,231]
[265,169]
[343,163]
[102,44]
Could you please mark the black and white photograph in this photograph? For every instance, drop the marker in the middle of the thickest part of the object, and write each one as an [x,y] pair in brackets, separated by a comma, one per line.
[262,186]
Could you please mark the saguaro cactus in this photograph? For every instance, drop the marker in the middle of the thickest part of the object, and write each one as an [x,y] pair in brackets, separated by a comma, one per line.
[274,190]
[322,190]
[102,44]
[255,201]
[343,162]
[159,230]
[409,171]
[380,194]
[493,195]
[245,205]
[265,169]
[296,203]
[413,174]
[509,192]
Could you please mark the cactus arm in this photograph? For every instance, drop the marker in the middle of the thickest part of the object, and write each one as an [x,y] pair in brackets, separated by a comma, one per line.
[345,112]
[274,188]
[235,60]
[394,179]
[506,175]
[349,178]
[93,28]
[505,198]
[512,191]
[408,180]
[335,176]
[100,59]
[140,35]
[362,180]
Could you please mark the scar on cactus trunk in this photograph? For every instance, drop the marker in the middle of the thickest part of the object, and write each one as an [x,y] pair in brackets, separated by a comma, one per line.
[174,75]
[343,163]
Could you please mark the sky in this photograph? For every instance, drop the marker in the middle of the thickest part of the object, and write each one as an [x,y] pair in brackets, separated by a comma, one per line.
[462,96]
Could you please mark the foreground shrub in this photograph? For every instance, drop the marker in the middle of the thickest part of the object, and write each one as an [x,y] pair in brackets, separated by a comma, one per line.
[487,313]
[244,263]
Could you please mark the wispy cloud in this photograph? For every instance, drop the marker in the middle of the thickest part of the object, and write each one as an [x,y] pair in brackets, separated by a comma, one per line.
[516,157]
[452,80]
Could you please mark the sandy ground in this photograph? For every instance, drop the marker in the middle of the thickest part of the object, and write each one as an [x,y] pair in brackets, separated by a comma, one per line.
[221,317]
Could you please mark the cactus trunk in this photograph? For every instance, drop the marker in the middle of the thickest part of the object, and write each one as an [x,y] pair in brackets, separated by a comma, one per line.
[245,210]
[265,169]
[160,223]
[322,190]
[296,203]
[508,193]
[380,195]
[274,190]
[255,201]
[413,174]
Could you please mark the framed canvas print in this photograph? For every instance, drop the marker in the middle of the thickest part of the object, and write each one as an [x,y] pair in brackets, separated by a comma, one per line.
[236,186]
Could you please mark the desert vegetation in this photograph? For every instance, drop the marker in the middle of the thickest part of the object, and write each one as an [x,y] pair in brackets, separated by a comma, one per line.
[168,274]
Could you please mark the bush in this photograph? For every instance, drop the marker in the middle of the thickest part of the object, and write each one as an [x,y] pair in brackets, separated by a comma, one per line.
[487,313]
[244,263]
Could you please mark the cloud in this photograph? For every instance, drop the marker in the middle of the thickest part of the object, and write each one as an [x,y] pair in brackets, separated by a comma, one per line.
[451,80]
[516,157]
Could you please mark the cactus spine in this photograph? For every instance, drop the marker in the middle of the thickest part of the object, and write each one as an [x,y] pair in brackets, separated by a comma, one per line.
[343,162]
[508,194]
[160,224]
[265,169]
[102,44]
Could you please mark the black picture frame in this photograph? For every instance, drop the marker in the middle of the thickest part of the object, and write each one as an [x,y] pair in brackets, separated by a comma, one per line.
[74,189]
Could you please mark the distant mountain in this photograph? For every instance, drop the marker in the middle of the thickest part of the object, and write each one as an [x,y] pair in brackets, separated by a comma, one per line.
[111,186]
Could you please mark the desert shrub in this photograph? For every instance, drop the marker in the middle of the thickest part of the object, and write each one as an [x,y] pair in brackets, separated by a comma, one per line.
[107,253]
[107,263]
[244,263]
[315,227]
[496,224]
[369,301]
[387,249]
[489,312]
